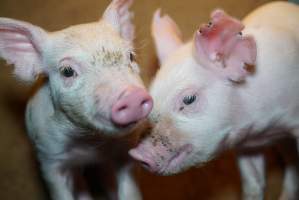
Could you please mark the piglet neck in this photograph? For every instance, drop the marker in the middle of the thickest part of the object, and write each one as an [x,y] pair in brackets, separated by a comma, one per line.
[253,121]
[241,126]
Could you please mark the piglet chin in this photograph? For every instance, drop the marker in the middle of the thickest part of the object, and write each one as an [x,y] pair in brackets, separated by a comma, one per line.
[170,165]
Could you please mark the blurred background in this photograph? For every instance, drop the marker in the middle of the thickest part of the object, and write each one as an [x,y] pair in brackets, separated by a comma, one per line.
[19,175]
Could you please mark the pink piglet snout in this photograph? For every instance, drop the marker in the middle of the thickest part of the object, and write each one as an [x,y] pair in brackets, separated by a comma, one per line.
[133,105]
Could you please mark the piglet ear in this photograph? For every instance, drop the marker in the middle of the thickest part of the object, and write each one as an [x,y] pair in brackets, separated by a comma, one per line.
[167,36]
[119,16]
[221,46]
[21,44]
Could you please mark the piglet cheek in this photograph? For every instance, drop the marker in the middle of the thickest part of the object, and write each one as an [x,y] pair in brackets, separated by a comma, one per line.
[68,82]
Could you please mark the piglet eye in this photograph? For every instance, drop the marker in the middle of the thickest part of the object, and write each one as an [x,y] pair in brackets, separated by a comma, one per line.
[67,71]
[189,99]
[132,57]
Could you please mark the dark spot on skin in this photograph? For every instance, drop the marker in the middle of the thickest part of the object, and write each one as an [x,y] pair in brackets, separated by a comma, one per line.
[249,68]
[164,140]
[155,141]
[155,118]
[181,108]
[111,58]
[106,58]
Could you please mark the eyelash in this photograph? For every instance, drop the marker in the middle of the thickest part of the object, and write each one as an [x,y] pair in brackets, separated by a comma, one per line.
[132,57]
[67,71]
[188,100]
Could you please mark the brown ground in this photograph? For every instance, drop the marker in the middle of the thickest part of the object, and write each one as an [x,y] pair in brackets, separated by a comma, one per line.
[19,176]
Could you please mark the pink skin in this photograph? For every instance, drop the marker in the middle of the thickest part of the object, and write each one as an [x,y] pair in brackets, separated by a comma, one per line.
[133,105]
[220,48]
[93,91]
[146,154]
[238,109]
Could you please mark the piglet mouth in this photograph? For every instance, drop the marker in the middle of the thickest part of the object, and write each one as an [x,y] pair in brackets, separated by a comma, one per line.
[106,121]
[127,126]
[176,160]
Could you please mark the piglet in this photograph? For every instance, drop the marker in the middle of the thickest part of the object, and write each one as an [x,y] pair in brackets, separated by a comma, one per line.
[92,95]
[234,85]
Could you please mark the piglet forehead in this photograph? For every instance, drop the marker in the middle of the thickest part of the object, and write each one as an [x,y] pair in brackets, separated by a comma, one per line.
[96,43]
[92,34]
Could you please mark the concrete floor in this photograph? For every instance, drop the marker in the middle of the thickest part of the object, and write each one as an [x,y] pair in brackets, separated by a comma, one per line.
[19,175]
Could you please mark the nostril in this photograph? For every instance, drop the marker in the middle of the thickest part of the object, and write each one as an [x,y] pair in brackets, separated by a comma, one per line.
[124,107]
[145,102]
[145,165]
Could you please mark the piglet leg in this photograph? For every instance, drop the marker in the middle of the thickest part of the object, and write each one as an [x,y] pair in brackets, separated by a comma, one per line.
[252,169]
[60,184]
[289,153]
[127,188]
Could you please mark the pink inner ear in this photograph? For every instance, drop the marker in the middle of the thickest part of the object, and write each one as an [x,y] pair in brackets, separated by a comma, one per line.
[221,43]
[14,41]
[242,55]
[244,50]
[220,35]
[120,17]
[167,35]
[18,48]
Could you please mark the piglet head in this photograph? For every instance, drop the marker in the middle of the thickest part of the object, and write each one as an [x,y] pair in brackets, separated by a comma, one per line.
[195,93]
[93,76]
